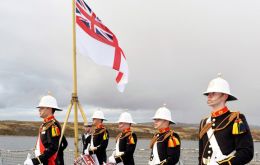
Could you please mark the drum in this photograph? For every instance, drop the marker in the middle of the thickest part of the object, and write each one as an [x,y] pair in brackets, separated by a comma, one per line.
[84,160]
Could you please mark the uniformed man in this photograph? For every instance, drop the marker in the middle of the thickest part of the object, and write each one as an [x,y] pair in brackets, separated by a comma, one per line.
[49,134]
[165,144]
[99,139]
[86,137]
[125,142]
[224,136]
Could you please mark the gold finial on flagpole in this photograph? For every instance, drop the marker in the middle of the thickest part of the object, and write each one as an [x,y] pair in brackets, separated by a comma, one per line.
[49,93]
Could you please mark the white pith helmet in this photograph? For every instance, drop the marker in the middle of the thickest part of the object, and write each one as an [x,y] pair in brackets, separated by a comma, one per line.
[164,113]
[220,85]
[98,115]
[50,102]
[125,117]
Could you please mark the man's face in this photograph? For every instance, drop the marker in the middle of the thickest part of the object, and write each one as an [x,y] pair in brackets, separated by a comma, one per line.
[122,126]
[216,98]
[45,112]
[96,121]
[160,123]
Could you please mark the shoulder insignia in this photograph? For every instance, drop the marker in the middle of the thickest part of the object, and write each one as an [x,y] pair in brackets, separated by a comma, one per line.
[131,139]
[55,131]
[173,142]
[238,125]
[105,136]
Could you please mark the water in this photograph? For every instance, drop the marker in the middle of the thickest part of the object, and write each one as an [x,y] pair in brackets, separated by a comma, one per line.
[26,142]
[14,149]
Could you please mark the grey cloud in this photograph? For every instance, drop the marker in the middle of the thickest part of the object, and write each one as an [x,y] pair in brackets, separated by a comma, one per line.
[173,49]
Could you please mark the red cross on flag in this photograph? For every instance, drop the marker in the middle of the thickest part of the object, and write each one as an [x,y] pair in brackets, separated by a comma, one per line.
[96,41]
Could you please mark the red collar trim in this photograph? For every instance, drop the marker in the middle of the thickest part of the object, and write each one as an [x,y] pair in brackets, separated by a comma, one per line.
[100,126]
[127,130]
[48,118]
[162,130]
[219,112]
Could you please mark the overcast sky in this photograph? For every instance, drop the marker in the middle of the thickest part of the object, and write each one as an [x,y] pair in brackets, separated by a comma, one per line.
[173,49]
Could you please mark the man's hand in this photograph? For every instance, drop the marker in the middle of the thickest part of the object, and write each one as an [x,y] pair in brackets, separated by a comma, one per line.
[93,148]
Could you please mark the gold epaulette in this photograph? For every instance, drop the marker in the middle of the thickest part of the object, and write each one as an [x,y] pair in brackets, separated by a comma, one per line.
[131,139]
[207,126]
[238,125]
[155,138]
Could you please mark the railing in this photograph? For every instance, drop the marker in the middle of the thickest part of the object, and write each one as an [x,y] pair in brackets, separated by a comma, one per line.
[188,156]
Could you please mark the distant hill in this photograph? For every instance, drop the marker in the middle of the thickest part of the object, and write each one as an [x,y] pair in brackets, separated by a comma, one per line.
[143,130]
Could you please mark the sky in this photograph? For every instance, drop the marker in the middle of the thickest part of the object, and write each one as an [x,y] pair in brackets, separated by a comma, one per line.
[173,49]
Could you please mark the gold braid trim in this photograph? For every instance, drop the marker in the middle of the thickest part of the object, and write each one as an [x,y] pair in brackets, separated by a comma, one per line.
[127,134]
[46,126]
[155,138]
[226,160]
[231,118]
[204,129]
[163,162]
[101,131]
[207,126]
[153,141]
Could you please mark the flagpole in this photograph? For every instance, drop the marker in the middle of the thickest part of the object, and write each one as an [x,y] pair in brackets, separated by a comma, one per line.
[74,94]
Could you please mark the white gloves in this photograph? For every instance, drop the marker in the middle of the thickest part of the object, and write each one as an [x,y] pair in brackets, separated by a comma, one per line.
[120,154]
[111,159]
[86,152]
[28,161]
[93,148]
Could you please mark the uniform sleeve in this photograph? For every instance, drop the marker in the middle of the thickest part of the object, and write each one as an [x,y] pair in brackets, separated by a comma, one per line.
[50,148]
[244,146]
[130,148]
[64,143]
[104,142]
[173,151]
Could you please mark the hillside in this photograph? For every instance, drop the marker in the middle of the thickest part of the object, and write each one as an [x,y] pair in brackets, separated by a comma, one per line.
[29,128]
